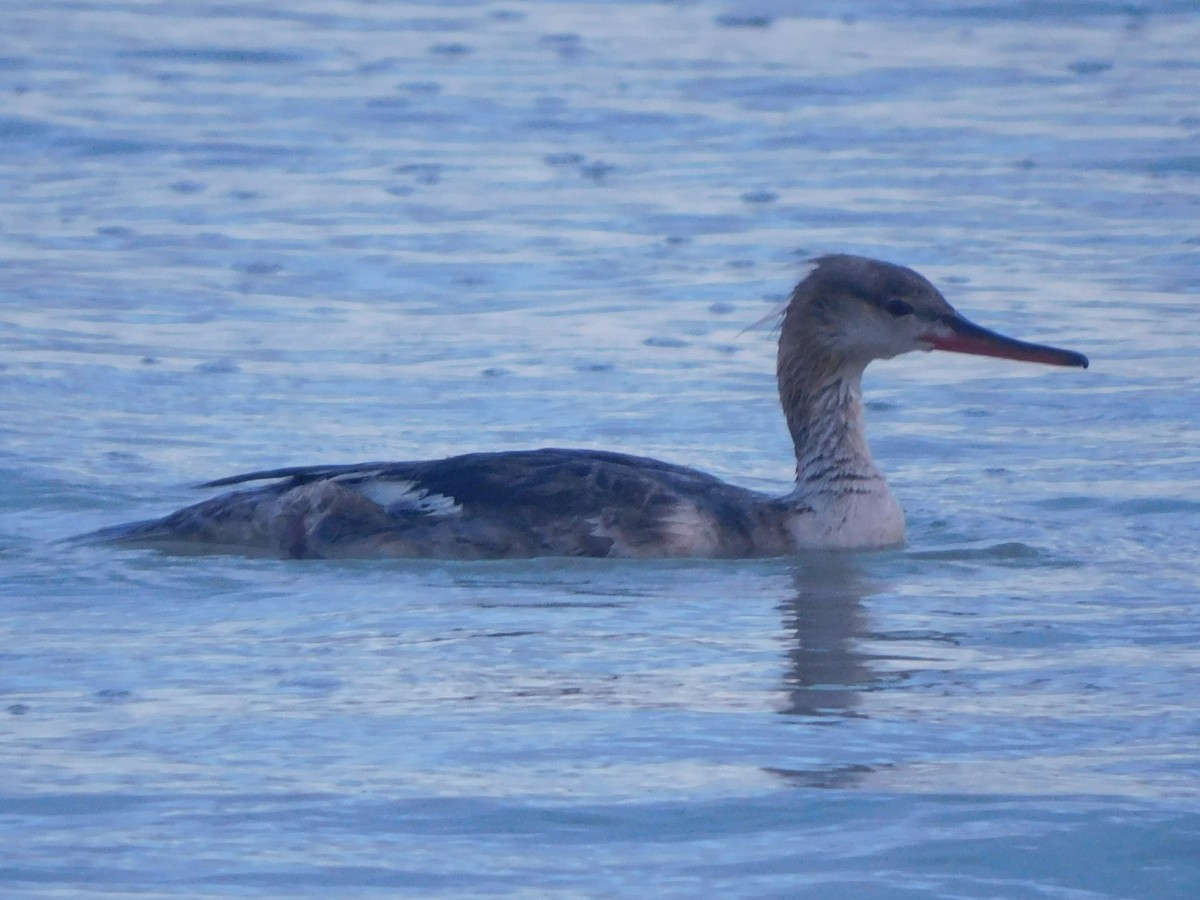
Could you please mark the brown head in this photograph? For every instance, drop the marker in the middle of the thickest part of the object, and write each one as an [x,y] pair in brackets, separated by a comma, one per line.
[851,310]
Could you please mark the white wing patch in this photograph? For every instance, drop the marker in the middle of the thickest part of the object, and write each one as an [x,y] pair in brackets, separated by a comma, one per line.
[406,496]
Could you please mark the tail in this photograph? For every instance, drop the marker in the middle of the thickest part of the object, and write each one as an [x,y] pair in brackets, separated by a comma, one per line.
[147,530]
[227,522]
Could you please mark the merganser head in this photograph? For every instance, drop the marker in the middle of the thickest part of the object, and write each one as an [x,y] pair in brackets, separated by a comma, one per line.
[851,310]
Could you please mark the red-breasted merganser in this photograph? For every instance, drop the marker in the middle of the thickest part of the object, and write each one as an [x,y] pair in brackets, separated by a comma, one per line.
[517,504]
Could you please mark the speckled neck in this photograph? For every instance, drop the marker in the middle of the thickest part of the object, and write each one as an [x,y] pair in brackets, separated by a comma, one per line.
[823,406]
[841,499]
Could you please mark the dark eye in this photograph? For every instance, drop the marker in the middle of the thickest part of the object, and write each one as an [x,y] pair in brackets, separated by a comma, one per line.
[899,308]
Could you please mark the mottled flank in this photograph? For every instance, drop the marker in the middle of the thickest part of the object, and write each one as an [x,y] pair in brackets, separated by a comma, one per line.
[847,312]
[482,506]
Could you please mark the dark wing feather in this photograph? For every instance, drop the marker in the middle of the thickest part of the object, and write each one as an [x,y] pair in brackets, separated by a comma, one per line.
[477,475]
[557,482]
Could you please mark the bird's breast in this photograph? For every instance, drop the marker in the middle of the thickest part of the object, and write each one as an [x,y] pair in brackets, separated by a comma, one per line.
[863,520]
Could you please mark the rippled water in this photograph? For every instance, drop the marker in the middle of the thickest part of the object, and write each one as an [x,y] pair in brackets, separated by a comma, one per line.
[235,236]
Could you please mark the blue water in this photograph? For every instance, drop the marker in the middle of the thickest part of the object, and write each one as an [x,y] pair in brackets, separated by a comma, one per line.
[245,235]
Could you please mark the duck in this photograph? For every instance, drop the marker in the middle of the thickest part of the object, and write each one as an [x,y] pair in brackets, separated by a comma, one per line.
[517,504]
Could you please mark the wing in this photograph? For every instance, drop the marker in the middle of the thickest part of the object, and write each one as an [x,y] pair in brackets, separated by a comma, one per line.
[469,466]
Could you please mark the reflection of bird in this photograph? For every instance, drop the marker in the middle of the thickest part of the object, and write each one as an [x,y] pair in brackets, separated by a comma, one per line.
[826,626]
[845,313]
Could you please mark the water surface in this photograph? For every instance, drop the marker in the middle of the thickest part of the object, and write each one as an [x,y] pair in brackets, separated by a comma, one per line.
[235,237]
